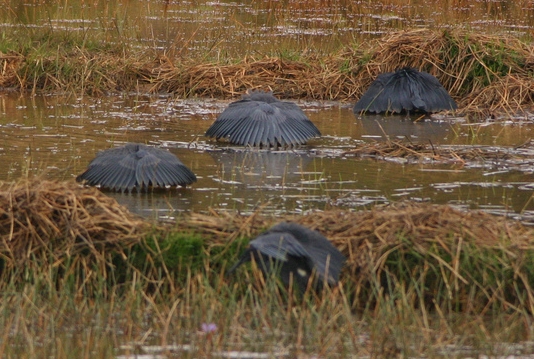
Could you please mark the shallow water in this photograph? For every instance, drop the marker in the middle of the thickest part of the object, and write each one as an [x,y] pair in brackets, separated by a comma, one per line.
[255,28]
[56,137]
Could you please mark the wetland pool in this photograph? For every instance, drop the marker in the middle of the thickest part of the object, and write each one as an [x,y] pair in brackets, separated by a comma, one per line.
[238,29]
[56,137]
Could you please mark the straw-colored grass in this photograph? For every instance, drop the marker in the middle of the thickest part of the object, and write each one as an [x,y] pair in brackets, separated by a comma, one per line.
[454,259]
[419,277]
[41,219]
[354,233]
[470,259]
[484,73]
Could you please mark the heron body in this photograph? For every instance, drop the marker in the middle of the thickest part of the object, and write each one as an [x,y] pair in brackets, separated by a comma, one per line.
[261,120]
[138,166]
[406,90]
[297,254]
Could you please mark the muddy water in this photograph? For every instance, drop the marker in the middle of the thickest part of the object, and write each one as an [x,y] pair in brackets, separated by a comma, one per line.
[254,28]
[56,137]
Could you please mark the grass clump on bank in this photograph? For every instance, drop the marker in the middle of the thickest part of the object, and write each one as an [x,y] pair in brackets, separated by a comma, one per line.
[79,268]
[485,74]
[457,261]
[50,218]
[51,60]
[445,258]
[450,259]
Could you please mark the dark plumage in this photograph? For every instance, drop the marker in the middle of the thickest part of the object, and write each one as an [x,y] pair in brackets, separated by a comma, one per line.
[138,166]
[261,120]
[293,250]
[406,90]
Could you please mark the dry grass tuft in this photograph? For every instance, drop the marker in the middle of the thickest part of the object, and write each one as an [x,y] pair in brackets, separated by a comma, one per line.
[364,236]
[47,219]
[8,71]
[471,259]
[287,78]
[510,94]
[484,73]
[468,261]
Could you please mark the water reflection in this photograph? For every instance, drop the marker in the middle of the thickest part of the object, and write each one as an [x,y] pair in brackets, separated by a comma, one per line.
[261,169]
[56,137]
[402,127]
[158,205]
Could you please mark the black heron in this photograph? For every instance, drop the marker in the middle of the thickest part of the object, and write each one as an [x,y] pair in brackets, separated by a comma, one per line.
[296,254]
[405,90]
[138,166]
[261,120]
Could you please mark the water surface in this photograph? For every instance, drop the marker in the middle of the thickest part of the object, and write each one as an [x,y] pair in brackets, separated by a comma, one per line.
[56,137]
[254,28]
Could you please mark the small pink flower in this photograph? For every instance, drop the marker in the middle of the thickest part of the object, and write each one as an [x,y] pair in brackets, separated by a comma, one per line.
[208,327]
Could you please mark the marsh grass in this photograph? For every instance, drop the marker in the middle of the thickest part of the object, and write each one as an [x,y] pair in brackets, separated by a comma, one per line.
[419,278]
[486,74]
[259,320]
[252,314]
[83,285]
[82,277]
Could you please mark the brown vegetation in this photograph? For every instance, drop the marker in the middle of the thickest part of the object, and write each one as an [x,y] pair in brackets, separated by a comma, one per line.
[467,258]
[55,220]
[428,152]
[427,255]
[484,73]
[364,236]
[75,219]
[471,259]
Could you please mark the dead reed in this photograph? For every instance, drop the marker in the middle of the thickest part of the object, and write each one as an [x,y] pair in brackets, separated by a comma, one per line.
[437,154]
[484,73]
[47,221]
[444,257]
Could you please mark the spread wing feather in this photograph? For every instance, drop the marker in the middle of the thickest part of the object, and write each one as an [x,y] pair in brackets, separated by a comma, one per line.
[136,166]
[405,90]
[327,260]
[260,119]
